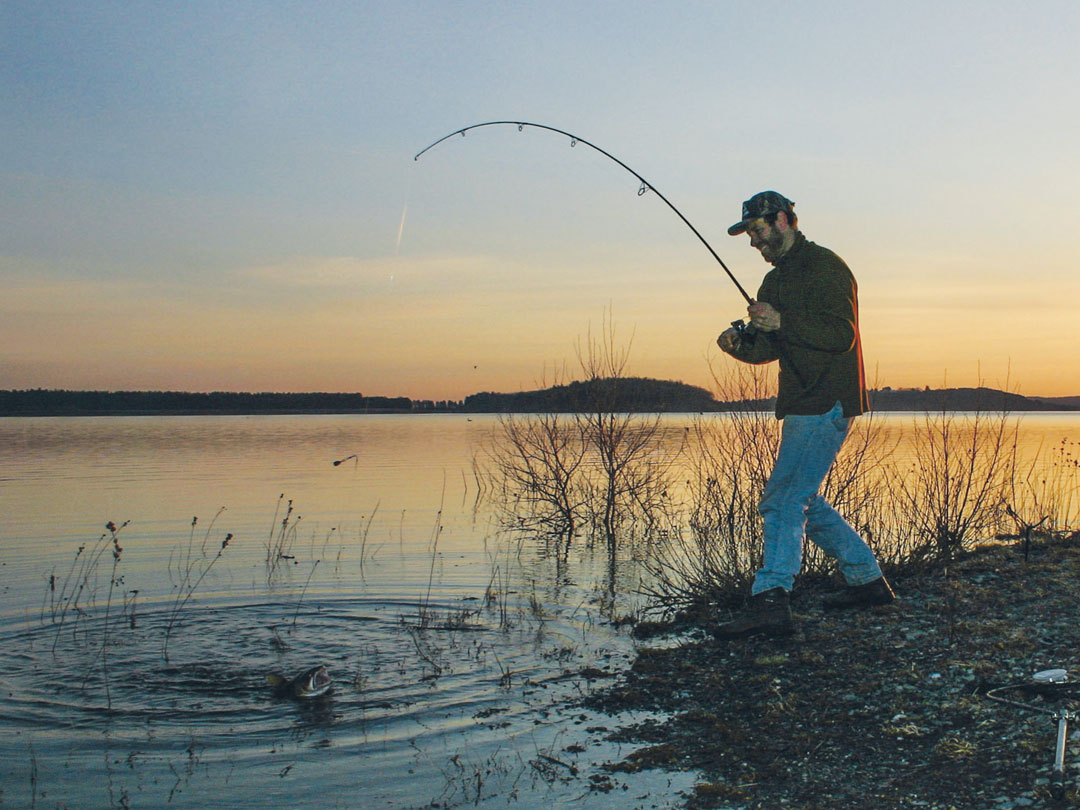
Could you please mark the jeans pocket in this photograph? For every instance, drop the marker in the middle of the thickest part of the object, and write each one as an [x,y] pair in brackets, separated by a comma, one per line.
[840,422]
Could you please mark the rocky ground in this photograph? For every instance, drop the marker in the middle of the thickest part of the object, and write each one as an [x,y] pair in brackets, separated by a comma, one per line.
[879,709]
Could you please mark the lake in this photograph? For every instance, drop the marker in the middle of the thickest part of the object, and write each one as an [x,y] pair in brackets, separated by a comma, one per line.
[133,661]
[456,651]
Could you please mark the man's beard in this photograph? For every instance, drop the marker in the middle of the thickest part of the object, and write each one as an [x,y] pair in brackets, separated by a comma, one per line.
[772,247]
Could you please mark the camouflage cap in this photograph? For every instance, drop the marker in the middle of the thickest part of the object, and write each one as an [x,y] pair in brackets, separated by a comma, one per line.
[758,206]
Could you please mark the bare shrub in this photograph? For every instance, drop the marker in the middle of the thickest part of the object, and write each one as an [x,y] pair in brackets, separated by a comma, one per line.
[595,469]
[952,491]
[945,492]
[727,465]
[536,459]
[629,474]
[1044,492]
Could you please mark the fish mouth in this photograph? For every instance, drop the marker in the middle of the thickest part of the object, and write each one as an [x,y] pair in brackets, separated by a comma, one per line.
[312,683]
[317,682]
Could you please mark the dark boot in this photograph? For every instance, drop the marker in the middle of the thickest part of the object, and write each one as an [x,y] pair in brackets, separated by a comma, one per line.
[875,592]
[766,614]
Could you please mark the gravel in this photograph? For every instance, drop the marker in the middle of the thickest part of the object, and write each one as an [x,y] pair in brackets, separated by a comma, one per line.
[881,708]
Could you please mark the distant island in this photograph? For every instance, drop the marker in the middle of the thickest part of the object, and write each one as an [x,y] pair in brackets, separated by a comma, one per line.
[629,394]
[625,394]
[636,394]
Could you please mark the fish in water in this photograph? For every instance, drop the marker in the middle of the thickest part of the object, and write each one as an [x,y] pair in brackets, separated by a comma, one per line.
[312,683]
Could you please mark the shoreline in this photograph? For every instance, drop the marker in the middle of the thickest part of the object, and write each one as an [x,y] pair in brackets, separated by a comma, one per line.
[619,395]
[882,708]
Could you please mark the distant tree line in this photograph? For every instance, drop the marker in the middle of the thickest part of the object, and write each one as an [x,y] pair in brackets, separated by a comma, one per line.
[624,394]
[42,402]
[958,399]
[987,400]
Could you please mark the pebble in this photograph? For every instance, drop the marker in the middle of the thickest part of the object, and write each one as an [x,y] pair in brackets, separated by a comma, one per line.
[1008,802]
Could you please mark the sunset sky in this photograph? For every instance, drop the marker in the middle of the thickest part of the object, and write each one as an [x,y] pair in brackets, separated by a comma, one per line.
[222,195]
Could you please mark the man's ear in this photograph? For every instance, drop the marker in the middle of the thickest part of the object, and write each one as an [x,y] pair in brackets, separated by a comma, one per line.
[782,217]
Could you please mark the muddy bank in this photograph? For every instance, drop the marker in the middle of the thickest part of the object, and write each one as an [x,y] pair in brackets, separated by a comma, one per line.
[876,709]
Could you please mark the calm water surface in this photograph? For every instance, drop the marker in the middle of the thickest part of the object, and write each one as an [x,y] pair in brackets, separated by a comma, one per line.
[456,651]
[474,708]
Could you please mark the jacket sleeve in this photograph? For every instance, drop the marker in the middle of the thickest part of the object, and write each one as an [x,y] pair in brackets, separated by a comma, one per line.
[763,347]
[760,349]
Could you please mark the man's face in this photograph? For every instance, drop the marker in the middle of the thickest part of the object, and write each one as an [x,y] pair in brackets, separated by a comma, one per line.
[768,239]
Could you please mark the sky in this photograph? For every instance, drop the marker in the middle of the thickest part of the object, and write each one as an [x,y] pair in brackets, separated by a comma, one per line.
[223,196]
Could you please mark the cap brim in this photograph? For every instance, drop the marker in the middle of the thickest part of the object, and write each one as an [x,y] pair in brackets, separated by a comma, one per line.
[739,227]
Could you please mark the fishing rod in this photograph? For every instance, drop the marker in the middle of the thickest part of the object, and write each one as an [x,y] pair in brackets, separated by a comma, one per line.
[744,330]
[645,187]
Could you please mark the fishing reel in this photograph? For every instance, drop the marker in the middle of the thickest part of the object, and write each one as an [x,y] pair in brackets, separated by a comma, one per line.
[746,332]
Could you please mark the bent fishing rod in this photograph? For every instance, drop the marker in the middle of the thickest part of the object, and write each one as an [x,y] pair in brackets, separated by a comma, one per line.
[645,187]
[745,331]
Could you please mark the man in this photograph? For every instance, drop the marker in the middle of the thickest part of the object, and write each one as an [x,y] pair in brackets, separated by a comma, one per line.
[807,317]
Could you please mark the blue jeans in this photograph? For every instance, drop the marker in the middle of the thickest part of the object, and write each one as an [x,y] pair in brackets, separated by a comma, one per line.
[791,507]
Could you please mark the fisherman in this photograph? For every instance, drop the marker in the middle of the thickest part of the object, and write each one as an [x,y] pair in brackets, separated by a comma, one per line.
[806,316]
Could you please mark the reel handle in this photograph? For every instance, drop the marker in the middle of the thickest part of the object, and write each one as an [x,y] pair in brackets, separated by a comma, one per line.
[746,331]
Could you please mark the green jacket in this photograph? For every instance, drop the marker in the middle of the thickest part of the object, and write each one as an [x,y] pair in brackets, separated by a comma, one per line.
[818,343]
